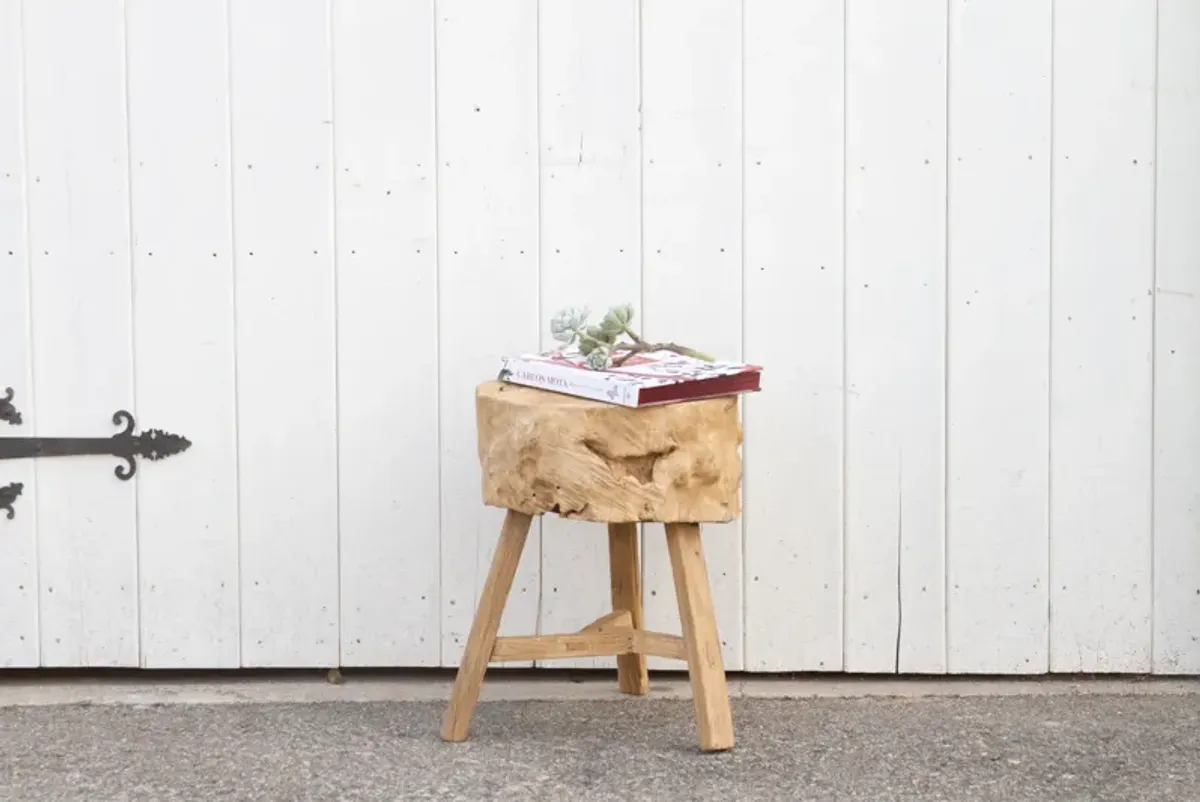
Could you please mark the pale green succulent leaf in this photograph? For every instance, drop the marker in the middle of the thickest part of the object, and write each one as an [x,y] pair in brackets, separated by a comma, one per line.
[620,316]
[598,359]
[565,324]
[600,334]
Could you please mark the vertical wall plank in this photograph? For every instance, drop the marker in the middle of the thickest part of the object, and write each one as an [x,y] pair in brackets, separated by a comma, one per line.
[999,337]
[1101,336]
[184,331]
[487,246]
[18,536]
[590,241]
[283,231]
[387,301]
[793,268]
[76,140]
[1177,342]
[895,335]
[692,258]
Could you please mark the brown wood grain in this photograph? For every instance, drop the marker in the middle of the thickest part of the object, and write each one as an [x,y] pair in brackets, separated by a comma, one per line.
[480,643]
[625,572]
[710,695]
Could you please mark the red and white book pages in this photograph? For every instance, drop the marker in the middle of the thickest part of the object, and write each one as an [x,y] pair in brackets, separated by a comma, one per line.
[649,379]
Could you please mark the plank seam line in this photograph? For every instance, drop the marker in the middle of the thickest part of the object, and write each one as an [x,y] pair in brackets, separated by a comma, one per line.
[1049,639]
[900,559]
[233,274]
[331,40]
[437,323]
[642,536]
[744,527]
[1154,339]
[537,330]
[132,244]
[29,327]
[946,357]
[845,329]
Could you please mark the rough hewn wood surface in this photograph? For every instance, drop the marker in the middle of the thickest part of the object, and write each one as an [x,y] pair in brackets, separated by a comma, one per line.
[548,452]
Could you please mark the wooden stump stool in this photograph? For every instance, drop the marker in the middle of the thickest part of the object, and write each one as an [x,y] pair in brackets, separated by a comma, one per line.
[677,464]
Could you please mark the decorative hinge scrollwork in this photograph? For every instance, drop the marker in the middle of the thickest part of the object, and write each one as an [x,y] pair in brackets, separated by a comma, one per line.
[152,444]
[8,412]
[8,497]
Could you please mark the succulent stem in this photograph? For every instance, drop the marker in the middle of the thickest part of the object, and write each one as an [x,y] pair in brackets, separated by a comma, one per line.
[641,347]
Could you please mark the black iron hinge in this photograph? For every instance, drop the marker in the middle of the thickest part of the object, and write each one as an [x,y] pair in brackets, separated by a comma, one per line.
[152,444]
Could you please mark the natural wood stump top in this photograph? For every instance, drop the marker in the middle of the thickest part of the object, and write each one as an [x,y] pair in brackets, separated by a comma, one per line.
[542,451]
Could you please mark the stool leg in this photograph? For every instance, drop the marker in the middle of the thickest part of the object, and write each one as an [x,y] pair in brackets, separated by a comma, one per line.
[710,695]
[481,641]
[627,595]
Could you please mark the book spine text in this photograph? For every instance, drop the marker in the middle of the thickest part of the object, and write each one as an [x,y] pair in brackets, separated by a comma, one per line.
[568,380]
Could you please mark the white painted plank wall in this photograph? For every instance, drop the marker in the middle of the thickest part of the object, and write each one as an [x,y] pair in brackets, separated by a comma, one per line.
[487,83]
[961,239]
[1176,530]
[79,240]
[692,252]
[590,185]
[895,335]
[998,337]
[1101,336]
[387,297]
[283,203]
[794,127]
[184,334]
[19,644]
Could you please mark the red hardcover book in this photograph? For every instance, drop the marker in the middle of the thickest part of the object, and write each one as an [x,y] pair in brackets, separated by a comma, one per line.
[649,379]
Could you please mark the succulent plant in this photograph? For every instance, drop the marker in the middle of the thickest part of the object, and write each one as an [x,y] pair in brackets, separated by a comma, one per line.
[601,343]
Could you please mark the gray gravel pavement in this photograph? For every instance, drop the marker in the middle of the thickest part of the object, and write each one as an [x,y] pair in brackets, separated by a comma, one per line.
[960,749]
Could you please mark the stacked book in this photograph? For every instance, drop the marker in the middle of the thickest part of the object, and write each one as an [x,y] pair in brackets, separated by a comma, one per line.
[642,380]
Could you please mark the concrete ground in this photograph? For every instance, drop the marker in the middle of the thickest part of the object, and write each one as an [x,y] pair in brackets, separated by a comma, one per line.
[376,739]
